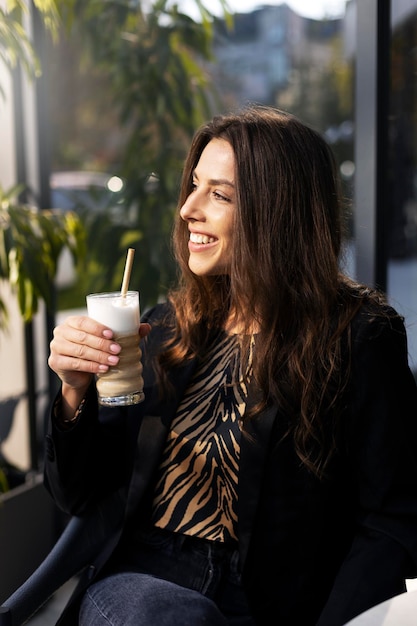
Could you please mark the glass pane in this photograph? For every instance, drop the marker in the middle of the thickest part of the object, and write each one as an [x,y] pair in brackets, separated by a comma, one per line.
[402,218]
[278,55]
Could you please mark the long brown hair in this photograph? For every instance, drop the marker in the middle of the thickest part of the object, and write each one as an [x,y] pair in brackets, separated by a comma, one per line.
[285,272]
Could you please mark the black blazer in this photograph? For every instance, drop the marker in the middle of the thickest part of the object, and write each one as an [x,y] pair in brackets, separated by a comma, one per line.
[312,552]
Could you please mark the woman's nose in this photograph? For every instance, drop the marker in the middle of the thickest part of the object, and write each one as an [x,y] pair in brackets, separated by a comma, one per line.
[191,210]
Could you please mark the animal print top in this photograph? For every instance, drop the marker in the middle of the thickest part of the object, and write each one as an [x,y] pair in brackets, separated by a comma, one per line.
[196,492]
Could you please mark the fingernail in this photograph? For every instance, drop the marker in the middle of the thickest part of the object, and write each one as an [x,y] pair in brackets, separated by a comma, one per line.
[108,334]
[113,360]
[115,348]
[103,368]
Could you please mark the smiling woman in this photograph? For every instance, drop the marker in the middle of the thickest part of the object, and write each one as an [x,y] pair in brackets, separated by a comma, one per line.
[262,477]
[210,210]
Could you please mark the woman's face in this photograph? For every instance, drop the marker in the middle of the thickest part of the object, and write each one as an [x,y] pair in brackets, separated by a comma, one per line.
[210,210]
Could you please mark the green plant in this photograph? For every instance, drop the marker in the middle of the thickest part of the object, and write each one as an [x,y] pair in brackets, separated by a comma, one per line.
[31,242]
[143,67]
[16,46]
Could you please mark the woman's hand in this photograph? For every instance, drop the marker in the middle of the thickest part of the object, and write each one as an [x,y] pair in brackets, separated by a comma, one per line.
[81,348]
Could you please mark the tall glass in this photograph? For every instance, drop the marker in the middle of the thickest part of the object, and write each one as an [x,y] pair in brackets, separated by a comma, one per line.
[122,384]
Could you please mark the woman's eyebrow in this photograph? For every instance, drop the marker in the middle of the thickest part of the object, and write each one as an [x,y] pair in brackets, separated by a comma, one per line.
[217,181]
[221,181]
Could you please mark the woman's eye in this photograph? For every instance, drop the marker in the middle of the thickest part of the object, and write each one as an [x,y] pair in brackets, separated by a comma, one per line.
[220,196]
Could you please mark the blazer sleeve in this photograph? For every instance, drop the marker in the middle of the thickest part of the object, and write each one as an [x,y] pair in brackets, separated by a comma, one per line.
[87,461]
[93,458]
[381,448]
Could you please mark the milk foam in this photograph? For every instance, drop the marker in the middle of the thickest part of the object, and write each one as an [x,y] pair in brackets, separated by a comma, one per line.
[121,314]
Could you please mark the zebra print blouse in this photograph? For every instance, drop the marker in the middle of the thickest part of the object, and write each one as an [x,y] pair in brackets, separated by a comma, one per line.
[196,491]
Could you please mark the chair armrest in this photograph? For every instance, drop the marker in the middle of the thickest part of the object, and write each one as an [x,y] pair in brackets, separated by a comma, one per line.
[80,544]
[70,554]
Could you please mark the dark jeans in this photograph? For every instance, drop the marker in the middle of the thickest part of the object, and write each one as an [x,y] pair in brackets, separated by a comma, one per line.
[169,579]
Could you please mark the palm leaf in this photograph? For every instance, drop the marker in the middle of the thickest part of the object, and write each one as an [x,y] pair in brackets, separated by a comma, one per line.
[31,242]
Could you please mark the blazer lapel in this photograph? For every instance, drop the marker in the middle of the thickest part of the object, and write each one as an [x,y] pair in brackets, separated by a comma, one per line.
[253,447]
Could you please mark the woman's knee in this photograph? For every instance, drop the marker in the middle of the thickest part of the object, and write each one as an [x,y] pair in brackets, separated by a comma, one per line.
[132,599]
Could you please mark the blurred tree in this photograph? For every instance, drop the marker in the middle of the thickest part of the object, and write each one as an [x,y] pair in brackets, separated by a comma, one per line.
[322,95]
[146,61]
[30,240]
[15,43]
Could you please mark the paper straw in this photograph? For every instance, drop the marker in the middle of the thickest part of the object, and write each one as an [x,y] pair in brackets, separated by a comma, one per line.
[128,271]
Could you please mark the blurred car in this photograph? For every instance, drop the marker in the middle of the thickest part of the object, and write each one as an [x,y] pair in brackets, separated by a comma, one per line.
[86,192]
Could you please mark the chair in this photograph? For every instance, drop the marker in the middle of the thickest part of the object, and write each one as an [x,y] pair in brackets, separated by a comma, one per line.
[74,553]
[8,407]
[69,556]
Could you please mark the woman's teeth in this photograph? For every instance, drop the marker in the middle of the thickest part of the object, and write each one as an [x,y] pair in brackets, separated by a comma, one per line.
[196,238]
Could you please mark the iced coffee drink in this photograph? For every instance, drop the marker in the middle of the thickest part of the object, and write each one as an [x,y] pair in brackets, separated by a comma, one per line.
[122,384]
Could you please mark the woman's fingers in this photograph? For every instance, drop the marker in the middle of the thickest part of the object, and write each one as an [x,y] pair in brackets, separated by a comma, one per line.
[80,345]
[71,341]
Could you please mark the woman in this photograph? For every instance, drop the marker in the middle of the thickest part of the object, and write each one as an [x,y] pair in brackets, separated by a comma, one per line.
[270,475]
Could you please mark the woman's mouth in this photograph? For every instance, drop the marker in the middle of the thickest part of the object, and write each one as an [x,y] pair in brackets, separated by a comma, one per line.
[201,239]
